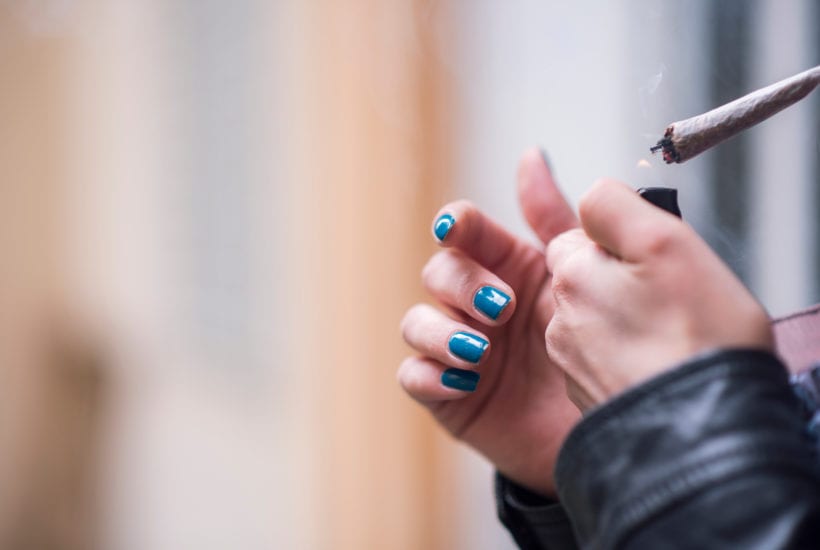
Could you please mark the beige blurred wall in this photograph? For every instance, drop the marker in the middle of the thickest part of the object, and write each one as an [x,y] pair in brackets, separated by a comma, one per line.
[375,163]
[164,159]
[379,162]
[51,379]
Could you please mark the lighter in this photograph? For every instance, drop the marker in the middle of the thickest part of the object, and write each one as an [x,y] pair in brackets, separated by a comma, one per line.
[665,198]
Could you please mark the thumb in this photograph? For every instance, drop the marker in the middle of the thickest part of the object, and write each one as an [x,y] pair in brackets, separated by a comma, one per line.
[545,207]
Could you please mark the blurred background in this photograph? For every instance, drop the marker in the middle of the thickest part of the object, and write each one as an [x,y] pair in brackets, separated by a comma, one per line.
[213,215]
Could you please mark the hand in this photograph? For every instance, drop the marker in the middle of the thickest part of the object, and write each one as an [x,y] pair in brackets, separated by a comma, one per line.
[518,413]
[637,291]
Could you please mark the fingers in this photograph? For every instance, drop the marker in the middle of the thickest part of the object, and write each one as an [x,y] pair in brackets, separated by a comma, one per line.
[449,350]
[427,380]
[545,207]
[439,337]
[618,219]
[460,282]
[463,226]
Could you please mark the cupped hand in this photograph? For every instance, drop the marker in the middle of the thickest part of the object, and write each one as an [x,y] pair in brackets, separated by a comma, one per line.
[481,367]
[637,291]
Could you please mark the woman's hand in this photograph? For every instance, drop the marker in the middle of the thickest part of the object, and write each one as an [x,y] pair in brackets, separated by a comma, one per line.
[482,369]
[637,292]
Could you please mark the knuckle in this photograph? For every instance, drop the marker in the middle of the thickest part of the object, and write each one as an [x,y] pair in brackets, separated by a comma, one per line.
[591,200]
[409,320]
[431,268]
[554,252]
[406,375]
[555,340]
[413,379]
[566,240]
[561,285]
[565,278]
[403,326]
[464,285]
[553,331]
[660,239]
[446,272]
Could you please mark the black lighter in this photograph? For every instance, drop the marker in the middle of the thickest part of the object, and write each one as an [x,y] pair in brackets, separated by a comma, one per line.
[662,197]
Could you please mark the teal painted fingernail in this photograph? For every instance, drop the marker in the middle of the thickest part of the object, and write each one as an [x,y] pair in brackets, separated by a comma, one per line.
[460,379]
[490,301]
[444,224]
[468,346]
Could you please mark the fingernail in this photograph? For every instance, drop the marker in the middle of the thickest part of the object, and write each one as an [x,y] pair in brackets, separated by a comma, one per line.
[459,379]
[468,346]
[444,224]
[490,301]
[545,158]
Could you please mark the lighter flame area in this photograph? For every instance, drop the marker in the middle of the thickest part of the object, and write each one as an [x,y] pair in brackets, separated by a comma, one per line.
[643,163]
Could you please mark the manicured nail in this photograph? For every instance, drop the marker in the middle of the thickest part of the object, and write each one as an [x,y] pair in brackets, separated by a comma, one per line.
[444,224]
[490,301]
[460,379]
[468,346]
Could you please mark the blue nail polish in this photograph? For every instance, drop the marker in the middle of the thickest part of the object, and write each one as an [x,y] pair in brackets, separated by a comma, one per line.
[490,301]
[468,346]
[460,379]
[444,224]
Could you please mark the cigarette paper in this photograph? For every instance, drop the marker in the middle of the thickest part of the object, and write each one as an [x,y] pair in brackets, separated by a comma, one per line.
[688,138]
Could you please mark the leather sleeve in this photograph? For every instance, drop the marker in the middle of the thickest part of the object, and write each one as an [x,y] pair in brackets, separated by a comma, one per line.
[712,454]
[536,523]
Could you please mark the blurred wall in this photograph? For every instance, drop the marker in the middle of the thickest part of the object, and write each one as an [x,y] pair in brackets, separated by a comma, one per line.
[240,197]
[250,191]
[51,379]
[376,153]
[214,215]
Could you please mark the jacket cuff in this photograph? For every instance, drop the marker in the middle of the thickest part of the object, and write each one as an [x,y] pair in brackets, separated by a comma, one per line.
[714,417]
[535,522]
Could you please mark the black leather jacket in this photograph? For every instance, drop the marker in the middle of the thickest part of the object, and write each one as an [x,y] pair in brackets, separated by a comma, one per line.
[712,454]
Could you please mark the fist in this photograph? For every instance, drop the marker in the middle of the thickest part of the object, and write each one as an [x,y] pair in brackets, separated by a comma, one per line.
[636,292]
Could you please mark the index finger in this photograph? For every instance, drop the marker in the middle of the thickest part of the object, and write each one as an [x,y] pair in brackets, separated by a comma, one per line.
[621,221]
[462,225]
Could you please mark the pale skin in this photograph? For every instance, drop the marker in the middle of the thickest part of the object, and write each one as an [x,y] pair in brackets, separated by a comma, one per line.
[519,414]
[638,292]
[621,295]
